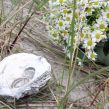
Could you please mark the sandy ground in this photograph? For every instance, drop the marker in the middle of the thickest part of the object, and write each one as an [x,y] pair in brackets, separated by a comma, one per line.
[34,39]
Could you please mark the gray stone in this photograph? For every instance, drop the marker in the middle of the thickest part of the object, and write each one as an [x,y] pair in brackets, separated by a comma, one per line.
[23,73]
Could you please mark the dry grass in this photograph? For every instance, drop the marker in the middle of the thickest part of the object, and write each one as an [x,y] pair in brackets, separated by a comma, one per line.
[22,29]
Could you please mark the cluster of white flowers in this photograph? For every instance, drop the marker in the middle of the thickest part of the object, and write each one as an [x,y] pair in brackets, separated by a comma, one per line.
[91,23]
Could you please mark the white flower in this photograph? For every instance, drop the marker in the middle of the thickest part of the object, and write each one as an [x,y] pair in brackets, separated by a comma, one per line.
[92,55]
[89,43]
[64,11]
[98,35]
[65,34]
[53,34]
[60,24]
[68,17]
[101,24]
[105,15]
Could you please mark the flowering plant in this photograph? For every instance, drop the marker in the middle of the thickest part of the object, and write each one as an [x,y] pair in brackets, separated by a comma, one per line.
[91,23]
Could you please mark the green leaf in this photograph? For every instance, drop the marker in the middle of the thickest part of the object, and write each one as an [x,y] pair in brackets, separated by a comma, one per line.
[101,56]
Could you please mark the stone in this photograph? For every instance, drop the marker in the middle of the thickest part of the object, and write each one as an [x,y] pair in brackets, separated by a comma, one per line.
[23,73]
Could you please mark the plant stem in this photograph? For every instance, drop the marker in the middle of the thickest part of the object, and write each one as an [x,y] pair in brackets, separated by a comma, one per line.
[72,35]
[72,52]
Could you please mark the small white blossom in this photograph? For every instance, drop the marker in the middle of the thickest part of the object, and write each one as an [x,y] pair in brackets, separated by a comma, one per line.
[98,35]
[101,24]
[89,43]
[60,24]
[92,55]
[105,15]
